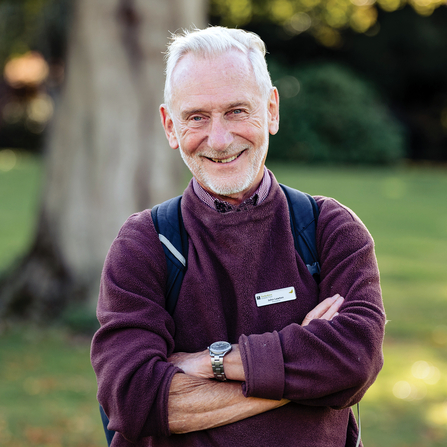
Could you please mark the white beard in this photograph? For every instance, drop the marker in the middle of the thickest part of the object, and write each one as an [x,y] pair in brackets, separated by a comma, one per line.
[224,186]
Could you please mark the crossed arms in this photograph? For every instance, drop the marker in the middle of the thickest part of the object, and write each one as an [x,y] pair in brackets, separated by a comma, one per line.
[197,402]
[136,334]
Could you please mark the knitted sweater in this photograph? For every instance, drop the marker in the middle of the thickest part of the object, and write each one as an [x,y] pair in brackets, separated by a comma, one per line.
[323,368]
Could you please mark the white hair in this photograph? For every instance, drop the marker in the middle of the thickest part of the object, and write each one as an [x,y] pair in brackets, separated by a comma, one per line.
[214,41]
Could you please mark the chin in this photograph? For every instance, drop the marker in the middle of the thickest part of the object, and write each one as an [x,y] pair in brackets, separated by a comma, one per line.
[229,186]
[235,183]
[226,190]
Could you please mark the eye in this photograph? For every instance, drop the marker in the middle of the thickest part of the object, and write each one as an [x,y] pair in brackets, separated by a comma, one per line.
[196,118]
[236,113]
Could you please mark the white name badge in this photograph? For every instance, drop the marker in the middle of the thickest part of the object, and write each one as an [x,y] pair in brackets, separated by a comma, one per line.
[275,296]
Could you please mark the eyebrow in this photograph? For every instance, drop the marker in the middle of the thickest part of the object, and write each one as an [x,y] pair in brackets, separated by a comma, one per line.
[187,113]
[233,105]
[239,104]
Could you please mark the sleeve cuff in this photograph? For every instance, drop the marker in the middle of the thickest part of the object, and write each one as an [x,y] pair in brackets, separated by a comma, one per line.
[157,422]
[263,364]
[165,425]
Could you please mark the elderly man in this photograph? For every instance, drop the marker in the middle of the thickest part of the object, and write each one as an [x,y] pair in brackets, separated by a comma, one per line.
[290,370]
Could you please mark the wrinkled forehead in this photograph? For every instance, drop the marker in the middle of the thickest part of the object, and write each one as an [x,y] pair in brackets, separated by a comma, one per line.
[194,69]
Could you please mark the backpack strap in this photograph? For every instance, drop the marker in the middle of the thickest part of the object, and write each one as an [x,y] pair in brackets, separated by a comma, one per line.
[105,422]
[304,213]
[168,222]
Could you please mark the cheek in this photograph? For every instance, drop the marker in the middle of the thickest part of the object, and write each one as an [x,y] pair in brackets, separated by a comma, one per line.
[257,134]
[190,141]
[255,129]
[259,123]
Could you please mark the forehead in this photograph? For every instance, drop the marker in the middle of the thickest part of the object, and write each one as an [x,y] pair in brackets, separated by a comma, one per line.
[227,77]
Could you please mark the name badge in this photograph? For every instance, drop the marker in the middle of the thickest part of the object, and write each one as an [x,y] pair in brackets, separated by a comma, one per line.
[275,296]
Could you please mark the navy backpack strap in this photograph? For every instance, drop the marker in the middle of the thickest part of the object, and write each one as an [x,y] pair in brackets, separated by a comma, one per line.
[168,221]
[304,213]
[105,423]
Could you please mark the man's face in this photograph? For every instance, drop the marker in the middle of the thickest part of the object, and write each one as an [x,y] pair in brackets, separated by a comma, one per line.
[221,123]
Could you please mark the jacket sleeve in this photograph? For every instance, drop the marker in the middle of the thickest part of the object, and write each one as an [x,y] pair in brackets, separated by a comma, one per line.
[327,363]
[129,352]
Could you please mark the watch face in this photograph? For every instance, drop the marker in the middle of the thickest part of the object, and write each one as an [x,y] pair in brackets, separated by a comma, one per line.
[220,347]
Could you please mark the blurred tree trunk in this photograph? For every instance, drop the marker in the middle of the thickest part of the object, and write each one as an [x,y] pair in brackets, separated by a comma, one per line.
[107,155]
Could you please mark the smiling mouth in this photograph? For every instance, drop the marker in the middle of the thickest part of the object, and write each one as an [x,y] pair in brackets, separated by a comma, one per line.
[226,160]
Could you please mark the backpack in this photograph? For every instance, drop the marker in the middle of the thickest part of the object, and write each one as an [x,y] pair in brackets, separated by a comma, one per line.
[168,222]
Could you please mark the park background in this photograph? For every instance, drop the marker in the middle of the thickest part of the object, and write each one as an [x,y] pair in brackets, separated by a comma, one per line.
[363,89]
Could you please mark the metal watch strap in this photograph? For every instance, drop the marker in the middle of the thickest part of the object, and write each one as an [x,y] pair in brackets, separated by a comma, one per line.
[218,368]
[217,351]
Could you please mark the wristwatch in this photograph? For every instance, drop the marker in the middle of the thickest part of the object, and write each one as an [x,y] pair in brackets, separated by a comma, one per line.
[217,353]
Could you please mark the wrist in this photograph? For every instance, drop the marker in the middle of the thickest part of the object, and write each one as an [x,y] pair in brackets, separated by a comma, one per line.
[206,366]
[234,369]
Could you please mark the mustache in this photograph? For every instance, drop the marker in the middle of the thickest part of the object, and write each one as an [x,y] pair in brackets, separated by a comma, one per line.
[231,151]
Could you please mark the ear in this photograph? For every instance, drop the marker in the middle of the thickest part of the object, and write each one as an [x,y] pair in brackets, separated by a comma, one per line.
[168,125]
[273,111]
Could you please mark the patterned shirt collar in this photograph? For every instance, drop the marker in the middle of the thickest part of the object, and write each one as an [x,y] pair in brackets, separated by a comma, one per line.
[223,207]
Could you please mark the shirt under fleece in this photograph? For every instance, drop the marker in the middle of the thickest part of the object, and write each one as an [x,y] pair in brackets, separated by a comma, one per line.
[323,368]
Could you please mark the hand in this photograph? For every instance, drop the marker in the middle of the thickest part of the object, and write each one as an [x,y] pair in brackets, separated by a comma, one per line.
[197,364]
[326,310]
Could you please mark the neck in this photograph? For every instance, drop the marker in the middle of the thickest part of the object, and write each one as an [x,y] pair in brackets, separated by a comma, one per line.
[238,198]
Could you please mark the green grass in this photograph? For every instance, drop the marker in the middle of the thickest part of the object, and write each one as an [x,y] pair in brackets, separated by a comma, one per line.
[20,178]
[47,391]
[47,387]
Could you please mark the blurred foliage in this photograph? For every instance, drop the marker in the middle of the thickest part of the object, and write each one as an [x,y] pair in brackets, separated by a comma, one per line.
[33,25]
[323,18]
[30,29]
[330,115]
[80,319]
[407,60]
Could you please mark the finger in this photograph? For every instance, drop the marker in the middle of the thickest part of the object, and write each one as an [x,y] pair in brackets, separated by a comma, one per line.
[325,310]
[323,307]
[333,310]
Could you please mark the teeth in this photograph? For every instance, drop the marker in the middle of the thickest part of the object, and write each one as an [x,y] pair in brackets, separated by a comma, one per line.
[226,160]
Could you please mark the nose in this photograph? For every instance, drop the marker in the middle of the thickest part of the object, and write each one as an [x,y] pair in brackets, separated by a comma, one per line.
[220,136]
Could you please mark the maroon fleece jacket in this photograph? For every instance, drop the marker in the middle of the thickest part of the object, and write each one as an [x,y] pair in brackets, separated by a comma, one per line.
[323,368]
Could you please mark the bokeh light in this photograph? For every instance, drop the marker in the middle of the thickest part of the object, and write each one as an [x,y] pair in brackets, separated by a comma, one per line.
[31,69]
